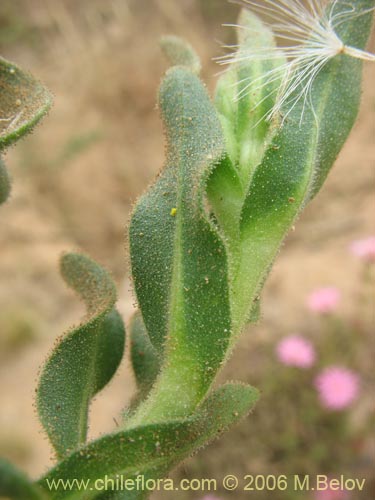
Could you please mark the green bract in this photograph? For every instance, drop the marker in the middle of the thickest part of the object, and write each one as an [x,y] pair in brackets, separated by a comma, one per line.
[202,241]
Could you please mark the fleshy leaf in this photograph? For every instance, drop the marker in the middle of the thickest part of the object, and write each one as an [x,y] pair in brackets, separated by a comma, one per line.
[145,359]
[85,360]
[298,160]
[178,259]
[293,161]
[180,53]
[4,182]
[23,102]
[16,486]
[153,448]
[243,98]
[226,193]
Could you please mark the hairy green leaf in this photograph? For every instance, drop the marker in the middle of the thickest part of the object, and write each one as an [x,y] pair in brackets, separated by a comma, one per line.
[180,53]
[244,96]
[23,102]
[4,182]
[226,193]
[152,448]
[178,259]
[338,92]
[16,486]
[145,358]
[85,360]
[298,160]
[295,163]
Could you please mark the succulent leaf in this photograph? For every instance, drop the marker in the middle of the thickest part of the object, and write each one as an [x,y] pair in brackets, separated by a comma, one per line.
[180,53]
[145,358]
[23,102]
[15,485]
[85,360]
[178,259]
[243,97]
[297,161]
[291,165]
[202,241]
[151,449]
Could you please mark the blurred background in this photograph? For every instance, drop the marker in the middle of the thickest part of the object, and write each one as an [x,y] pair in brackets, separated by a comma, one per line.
[75,180]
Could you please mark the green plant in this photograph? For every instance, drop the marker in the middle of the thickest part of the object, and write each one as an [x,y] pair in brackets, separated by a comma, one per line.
[202,241]
[23,102]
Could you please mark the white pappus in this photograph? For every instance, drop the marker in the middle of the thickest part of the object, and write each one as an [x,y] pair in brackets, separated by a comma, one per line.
[309,32]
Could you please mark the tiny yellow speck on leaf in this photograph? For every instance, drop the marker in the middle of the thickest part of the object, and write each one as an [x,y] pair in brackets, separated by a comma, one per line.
[173,211]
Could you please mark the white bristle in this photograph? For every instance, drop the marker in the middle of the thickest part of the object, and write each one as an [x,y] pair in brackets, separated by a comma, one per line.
[310,32]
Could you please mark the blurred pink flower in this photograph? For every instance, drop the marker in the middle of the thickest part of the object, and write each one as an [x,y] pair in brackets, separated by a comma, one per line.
[364,249]
[210,497]
[294,350]
[330,494]
[324,300]
[337,387]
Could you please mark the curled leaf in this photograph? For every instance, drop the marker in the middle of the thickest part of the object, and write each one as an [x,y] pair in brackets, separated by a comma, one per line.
[23,102]
[281,167]
[180,53]
[178,258]
[150,450]
[299,157]
[85,360]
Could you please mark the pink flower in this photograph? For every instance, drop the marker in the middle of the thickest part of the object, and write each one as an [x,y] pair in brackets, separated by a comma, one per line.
[296,351]
[324,300]
[331,494]
[337,387]
[364,249]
